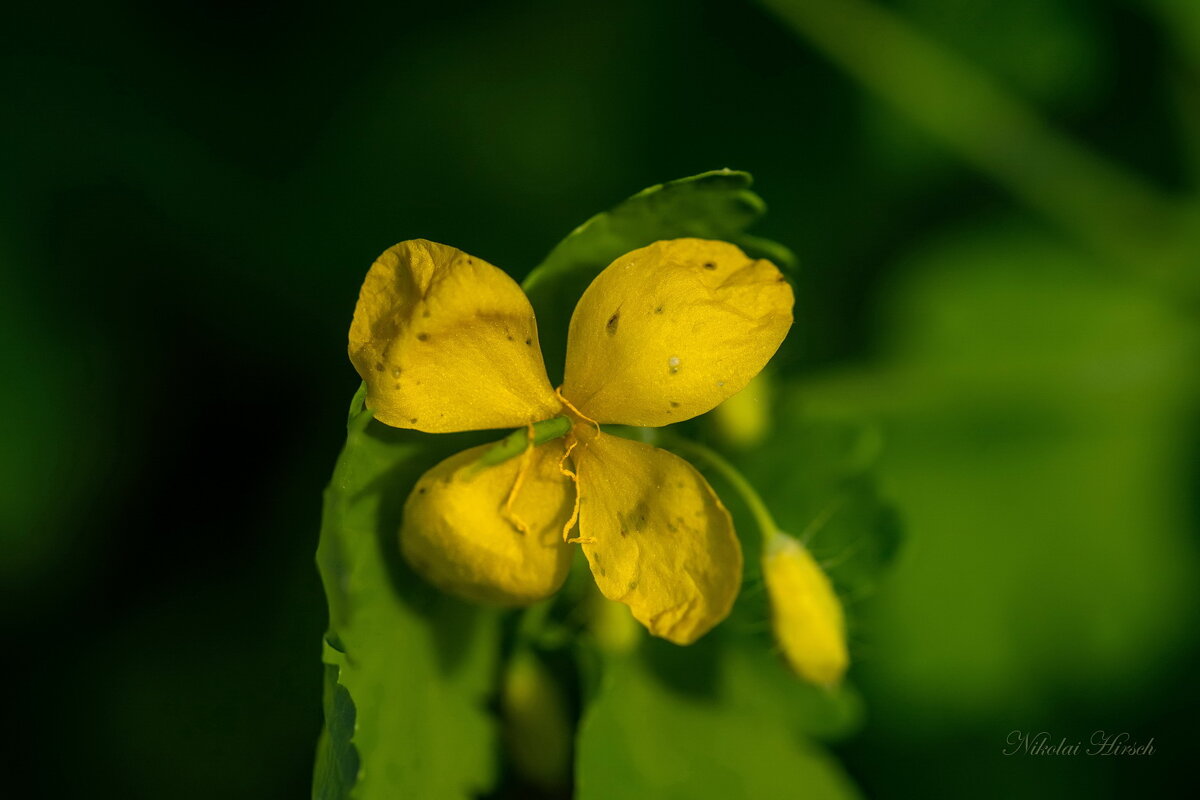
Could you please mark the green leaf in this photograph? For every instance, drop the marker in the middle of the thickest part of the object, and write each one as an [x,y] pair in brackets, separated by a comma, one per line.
[691,737]
[337,760]
[712,205]
[409,669]
[757,681]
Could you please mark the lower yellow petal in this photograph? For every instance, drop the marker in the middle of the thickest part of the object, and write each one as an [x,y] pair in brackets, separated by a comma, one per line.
[656,537]
[806,614]
[669,331]
[463,528]
[446,342]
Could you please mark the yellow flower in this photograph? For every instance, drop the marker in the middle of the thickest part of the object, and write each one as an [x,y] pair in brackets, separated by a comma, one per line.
[446,342]
[806,614]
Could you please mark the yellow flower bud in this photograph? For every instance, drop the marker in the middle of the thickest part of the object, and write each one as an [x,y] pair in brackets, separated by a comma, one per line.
[459,535]
[806,614]
[744,420]
[537,725]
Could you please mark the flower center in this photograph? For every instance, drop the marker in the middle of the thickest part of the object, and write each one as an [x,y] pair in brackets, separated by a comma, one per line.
[583,428]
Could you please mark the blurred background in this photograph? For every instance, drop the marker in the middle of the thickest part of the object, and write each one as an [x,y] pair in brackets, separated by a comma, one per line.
[991,203]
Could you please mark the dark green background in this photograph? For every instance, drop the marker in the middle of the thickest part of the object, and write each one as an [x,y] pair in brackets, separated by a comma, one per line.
[193,191]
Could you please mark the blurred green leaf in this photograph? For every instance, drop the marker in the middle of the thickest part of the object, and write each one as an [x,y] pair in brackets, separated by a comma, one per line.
[646,738]
[712,205]
[410,669]
[757,682]
[1033,406]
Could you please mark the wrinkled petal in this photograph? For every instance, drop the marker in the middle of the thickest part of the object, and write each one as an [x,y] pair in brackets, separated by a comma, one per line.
[446,342]
[806,614]
[657,538]
[669,331]
[459,535]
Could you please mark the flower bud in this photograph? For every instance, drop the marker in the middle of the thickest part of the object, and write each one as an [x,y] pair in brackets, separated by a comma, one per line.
[806,614]
[456,534]
[744,420]
[537,727]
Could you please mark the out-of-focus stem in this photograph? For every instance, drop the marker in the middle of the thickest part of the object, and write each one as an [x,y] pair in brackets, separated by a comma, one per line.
[1109,209]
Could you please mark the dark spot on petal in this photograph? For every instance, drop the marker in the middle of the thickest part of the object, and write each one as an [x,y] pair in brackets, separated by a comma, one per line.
[603,572]
[379,367]
[674,404]
[420,490]
[658,310]
[509,337]
[624,533]
[709,265]
[412,420]
[397,386]
[632,585]
[613,321]
[529,342]
[781,279]
[422,337]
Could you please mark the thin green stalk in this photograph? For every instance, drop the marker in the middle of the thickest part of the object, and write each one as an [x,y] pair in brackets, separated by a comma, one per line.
[515,443]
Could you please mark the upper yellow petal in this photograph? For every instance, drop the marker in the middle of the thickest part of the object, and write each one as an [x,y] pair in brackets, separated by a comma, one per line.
[446,342]
[461,534]
[657,537]
[669,331]
[806,614]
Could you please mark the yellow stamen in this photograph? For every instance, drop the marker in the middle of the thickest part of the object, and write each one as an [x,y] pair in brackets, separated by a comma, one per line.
[574,477]
[571,407]
[509,513]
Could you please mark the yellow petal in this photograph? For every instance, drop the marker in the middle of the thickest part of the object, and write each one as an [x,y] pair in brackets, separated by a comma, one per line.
[446,342]
[669,331]
[458,534]
[657,537]
[805,612]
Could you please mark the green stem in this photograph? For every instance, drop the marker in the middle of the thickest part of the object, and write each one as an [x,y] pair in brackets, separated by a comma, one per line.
[1109,208]
[515,443]
[758,509]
